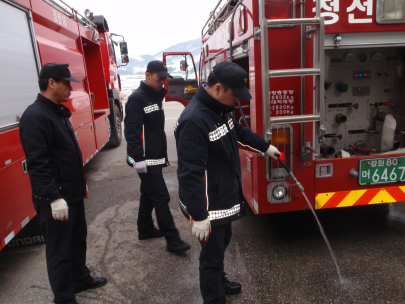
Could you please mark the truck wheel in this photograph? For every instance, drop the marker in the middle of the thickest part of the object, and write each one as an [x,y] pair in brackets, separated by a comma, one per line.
[116,129]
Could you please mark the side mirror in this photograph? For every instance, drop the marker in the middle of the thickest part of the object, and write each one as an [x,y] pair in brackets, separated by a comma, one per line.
[183,65]
[123,48]
[124,58]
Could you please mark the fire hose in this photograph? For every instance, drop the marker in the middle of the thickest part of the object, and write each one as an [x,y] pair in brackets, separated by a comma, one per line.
[297,183]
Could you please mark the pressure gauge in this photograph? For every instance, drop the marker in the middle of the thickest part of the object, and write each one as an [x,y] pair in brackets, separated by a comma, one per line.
[362,57]
[376,57]
[349,58]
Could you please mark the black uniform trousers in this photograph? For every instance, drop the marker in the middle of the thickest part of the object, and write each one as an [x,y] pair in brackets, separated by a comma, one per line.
[154,194]
[65,250]
[212,264]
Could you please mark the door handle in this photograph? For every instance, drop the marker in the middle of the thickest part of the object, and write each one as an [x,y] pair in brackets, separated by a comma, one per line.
[24,166]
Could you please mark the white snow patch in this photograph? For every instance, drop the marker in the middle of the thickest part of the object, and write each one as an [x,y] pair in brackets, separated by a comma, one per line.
[138,57]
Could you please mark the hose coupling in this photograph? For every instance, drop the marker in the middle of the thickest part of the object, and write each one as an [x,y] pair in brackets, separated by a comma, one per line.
[297,183]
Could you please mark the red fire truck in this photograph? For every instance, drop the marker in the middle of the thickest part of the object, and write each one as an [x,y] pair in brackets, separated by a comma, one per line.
[328,91]
[35,32]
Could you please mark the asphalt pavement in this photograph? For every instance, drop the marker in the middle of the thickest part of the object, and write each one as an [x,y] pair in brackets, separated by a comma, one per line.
[279,258]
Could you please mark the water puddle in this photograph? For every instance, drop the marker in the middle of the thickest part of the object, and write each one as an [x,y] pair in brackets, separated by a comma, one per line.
[342,280]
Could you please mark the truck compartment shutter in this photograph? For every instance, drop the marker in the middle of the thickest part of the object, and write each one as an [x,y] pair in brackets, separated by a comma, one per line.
[18,66]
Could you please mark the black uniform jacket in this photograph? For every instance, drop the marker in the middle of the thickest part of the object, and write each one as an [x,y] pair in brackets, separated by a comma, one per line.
[145,127]
[209,170]
[54,160]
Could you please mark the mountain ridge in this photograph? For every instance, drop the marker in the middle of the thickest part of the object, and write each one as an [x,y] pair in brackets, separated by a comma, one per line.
[137,65]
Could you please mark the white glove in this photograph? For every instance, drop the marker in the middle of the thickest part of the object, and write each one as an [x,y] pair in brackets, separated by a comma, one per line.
[141,167]
[273,152]
[201,229]
[60,210]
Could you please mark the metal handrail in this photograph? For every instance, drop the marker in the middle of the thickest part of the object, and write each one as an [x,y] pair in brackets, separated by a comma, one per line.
[73,10]
[294,118]
[294,72]
[296,21]
[212,16]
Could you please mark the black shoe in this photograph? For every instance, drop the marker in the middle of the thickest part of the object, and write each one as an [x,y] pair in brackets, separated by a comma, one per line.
[231,288]
[91,283]
[153,232]
[178,246]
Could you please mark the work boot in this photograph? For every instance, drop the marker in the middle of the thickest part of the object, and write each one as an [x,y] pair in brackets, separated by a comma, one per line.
[91,283]
[177,246]
[231,288]
[152,232]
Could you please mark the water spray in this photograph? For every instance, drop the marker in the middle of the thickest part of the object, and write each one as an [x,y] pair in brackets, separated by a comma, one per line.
[301,189]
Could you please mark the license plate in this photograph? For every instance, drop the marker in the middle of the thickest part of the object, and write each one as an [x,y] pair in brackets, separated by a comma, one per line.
[381,170]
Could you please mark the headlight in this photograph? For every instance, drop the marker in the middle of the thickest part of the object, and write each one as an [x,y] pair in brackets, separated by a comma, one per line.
[390,11]
[279,192]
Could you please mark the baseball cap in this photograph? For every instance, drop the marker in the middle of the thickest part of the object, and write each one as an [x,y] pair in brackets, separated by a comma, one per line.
[57,71]
[159,67]
[233,76]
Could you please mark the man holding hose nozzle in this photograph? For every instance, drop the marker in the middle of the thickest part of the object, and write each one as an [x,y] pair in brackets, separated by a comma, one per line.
[209,173]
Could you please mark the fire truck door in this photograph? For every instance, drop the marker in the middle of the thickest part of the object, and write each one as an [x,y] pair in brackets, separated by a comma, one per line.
[183,86]
[19,65]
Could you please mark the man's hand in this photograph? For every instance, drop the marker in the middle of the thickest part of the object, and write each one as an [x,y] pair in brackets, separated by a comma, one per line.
[201,229]
[141,167]
[60,210]
[273,152]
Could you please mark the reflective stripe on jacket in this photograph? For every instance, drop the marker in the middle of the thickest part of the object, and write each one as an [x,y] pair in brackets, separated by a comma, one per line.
[209,170]
[144,127]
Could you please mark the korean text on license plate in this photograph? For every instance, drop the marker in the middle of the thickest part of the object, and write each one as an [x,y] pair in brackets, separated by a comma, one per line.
[381,170]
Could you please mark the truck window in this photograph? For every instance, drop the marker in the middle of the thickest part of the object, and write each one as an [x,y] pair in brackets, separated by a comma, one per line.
[113,51]
[203,73]
[109,48]
[184,83]
[207,69]
[181,66]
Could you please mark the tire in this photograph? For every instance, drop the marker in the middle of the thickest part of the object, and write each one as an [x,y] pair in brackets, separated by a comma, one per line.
[116,128]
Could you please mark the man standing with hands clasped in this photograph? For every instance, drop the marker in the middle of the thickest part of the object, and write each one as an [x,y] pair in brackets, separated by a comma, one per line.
[209,172]
[147,153]
[55,167]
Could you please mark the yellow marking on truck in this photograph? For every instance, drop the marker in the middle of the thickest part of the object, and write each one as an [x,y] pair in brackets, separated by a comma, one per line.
[382,197]
[351,198]
[322,198]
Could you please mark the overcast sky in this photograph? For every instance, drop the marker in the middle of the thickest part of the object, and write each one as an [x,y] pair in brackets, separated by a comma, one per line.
[150,26]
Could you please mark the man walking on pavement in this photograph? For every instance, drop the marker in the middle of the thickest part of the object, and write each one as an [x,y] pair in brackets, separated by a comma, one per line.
[147,153]
[55,167]
[209,172]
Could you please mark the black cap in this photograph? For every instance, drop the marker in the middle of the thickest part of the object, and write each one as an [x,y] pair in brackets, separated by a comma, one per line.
[233,76]
[159,67]
[57,71]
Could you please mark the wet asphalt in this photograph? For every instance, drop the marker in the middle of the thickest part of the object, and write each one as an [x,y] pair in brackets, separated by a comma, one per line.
[279,258]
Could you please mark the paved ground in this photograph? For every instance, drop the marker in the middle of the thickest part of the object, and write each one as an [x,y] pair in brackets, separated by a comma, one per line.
[278,259]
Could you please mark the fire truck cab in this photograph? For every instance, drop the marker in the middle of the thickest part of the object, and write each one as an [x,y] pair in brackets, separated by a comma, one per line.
[35,32]
[327,90]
